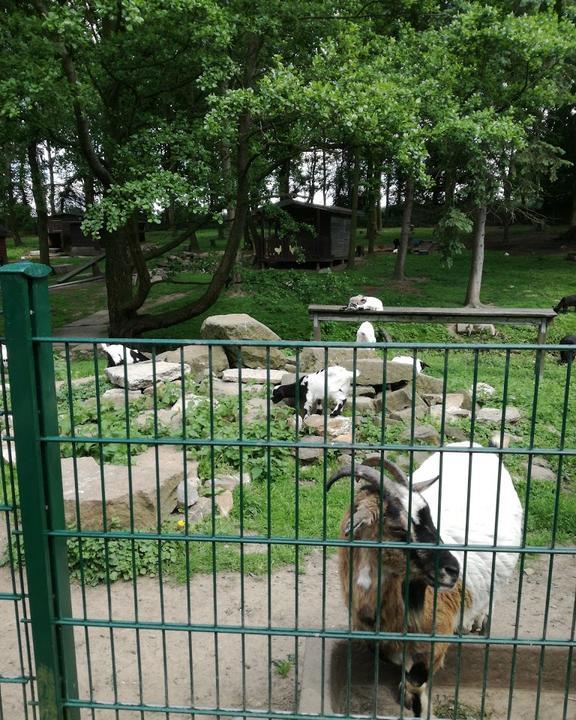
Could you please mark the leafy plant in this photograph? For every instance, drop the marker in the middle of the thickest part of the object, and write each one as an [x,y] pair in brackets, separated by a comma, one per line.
[284,665]
[450,232]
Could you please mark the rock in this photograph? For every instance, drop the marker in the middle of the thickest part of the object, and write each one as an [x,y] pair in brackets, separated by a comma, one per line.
[403,461]
[82,351]
[365,391]
[191,400]
[483,392]
[315,422]
[369,365]
[199,510]
[426,434]
[225,502]
[145,495]
[307,454]
[256,409]
[197,357]
[365,405]
[254,375]
[221,388]
[406,414]
[290,367]
[540,472]
[453,412]
[429,384]
[142,375]
[240,326]
[394,400]
[339,426]
[455,433]
[432,398]
[166,417]
[494,415]
[455,399]
[190,496]
[344,438]
[227,481]
[117,397]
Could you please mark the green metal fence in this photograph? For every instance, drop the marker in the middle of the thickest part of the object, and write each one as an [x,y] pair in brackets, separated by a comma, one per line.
[182,551]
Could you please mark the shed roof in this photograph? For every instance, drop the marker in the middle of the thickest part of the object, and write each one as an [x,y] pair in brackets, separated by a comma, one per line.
[335,209]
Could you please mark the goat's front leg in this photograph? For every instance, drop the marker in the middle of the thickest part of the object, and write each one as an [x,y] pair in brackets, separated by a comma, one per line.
[338,408]
[415,686]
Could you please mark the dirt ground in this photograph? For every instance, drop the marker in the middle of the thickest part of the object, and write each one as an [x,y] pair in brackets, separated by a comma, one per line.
[198,668]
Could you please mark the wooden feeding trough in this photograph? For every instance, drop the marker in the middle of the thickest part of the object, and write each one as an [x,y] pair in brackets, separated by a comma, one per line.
[319,235]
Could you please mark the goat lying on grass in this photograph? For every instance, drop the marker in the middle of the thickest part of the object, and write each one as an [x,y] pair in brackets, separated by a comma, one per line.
[335,383]
[122,354]
[380,512]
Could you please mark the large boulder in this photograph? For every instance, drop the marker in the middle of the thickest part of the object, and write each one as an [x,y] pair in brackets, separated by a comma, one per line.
[240,326]
[153,483]
[197,357]
[144,374]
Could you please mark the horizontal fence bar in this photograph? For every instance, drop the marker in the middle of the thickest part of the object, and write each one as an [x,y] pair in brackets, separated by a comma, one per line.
[285,631]
[16,680]
[325,445]
[218,711]
[78,340]
[303,541]
[12,596]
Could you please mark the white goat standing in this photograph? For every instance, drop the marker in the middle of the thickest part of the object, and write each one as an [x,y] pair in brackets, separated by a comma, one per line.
[335,383]
[365,333]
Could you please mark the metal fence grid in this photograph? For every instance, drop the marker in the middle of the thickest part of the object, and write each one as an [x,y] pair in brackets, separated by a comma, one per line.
[237,611]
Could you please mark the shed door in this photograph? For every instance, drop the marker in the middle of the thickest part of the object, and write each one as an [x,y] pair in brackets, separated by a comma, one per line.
[339,236]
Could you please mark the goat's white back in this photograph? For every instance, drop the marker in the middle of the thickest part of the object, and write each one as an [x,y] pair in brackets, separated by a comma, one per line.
[484,471]
[335,381]
[364,302]
[407,360]
[365,333]
[119,354]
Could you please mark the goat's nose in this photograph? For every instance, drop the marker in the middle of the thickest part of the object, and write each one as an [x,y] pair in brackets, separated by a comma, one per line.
[451,568]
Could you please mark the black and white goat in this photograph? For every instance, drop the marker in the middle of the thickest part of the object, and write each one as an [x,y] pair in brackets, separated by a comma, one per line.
[564,303]
[334,383]
[4,354]
[480,509]
[363,302]
[566,356]
[122,354]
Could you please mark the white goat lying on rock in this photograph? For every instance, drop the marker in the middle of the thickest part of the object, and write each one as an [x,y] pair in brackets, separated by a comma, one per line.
[122,354]
[334,383]
[380,512]
[409,360]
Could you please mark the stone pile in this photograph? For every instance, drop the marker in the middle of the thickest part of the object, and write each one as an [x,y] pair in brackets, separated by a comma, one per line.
[382,391]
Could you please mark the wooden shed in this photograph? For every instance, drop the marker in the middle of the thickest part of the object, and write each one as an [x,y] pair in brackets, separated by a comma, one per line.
[320,235]
[65,234]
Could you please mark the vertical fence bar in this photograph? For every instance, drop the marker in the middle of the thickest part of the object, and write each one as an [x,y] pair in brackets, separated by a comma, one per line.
[31,371]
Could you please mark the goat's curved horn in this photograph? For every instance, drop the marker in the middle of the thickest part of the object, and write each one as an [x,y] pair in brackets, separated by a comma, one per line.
[398,474]
[423,484]
[360,471]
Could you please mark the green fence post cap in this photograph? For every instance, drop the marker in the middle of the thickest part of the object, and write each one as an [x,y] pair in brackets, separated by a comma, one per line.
[31,269]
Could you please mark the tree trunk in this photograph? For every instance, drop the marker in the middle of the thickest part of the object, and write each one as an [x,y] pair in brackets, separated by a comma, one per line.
[22,182]
[118,277]
[405,231]
[354,216]
[12,217]
[572,218]
[475,277]
[51,185]
[324,178]
[39,193]
[193,244]
[371,208]
[284,180]
[312,178]
[387,194]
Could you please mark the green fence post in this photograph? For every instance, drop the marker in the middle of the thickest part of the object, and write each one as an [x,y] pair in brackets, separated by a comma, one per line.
[34,413]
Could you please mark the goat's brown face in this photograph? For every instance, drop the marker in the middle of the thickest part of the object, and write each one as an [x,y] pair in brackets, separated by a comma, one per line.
[432,565]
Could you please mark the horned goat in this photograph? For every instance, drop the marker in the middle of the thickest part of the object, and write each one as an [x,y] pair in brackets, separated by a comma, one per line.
[380,511]
[122,354]
[365,333]
[363,302]
[334,383]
